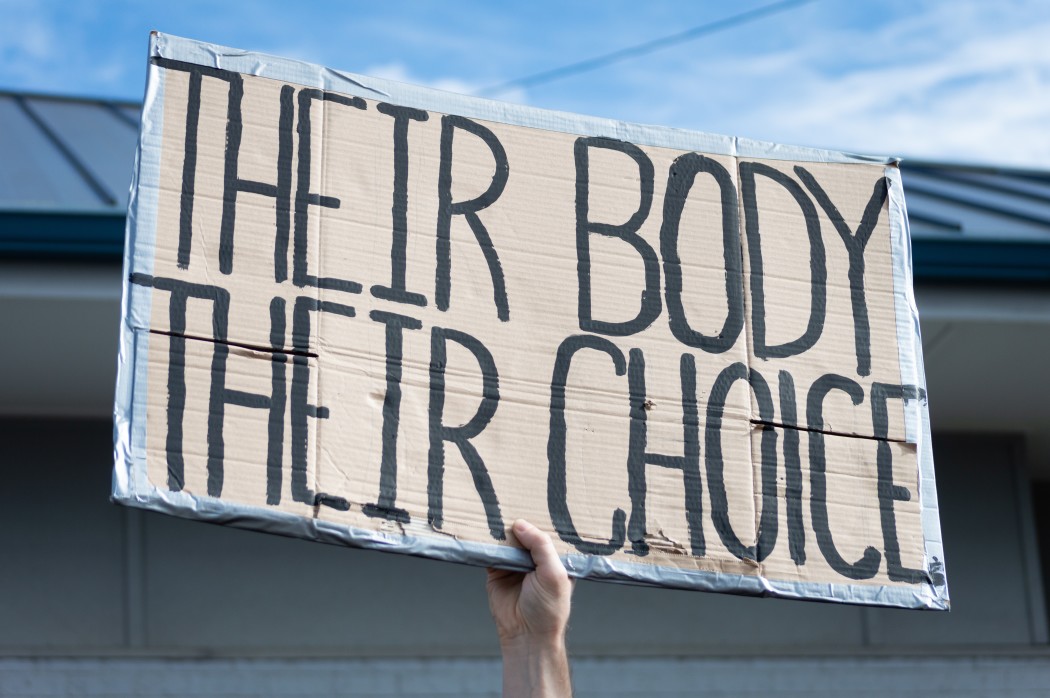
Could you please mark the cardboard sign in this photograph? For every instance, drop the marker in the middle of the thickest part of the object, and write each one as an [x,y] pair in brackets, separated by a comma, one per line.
[384,316]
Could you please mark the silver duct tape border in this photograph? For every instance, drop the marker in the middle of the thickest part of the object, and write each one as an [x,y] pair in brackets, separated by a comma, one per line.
[451,549]
[129,409]
[131,486]
[917,412]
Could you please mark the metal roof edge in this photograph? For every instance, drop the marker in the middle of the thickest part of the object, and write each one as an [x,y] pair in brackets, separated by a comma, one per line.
[65,97]
[984,168]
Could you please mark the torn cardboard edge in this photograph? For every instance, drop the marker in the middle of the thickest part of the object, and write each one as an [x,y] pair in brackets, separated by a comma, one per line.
[131,486]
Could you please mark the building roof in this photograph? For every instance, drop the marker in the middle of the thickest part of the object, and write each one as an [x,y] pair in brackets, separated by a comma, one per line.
[973,222]
[65,170]
[66,167]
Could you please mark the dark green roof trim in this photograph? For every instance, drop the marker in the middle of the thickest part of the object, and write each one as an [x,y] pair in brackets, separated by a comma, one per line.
[101,236]
[962,259]
[61,235]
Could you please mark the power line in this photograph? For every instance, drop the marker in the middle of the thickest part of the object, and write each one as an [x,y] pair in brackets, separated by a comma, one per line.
[642,49]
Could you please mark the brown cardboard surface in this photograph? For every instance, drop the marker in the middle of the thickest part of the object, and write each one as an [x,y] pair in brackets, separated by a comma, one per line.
[639,411]
[788,256]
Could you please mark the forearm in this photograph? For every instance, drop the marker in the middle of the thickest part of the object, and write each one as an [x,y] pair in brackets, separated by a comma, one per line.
[535,668]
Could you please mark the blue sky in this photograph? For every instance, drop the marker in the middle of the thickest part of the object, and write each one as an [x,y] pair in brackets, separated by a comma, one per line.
[946,80]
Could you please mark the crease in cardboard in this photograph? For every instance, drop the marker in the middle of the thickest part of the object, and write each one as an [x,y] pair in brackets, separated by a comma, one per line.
[241,345]
[827,432]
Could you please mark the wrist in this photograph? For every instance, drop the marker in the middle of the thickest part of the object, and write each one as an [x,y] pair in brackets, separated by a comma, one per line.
[536,666]
[533,642]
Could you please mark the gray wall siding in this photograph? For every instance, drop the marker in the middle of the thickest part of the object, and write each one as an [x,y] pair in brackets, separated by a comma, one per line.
[992,677]
[83,576]
[62,575]
[986,524]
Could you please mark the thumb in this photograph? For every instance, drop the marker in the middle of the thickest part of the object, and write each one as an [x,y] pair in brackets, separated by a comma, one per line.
[550,571]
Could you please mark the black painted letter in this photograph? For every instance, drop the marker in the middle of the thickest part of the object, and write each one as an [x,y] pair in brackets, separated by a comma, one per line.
[461,435]
[557,497]
[889,492]
[628,232]
[396,291]
[766,536]
[395,325]
[219,395]
[639,456]
[680,181]
[818,271]
[469,210]
[232,182]
[304,198]
[855,244]
[793,469]
[301,410]
[868,565]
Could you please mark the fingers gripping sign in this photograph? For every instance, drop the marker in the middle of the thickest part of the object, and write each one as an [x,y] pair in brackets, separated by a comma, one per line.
[531,611]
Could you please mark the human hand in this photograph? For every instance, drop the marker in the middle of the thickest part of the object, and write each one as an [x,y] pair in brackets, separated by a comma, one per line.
[534,604]
[531,611]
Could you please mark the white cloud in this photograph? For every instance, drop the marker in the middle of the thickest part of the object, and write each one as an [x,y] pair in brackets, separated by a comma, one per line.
[45,46]
[28,42]
[400,73]
[927,78]
[946,86]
